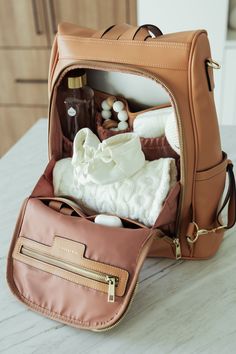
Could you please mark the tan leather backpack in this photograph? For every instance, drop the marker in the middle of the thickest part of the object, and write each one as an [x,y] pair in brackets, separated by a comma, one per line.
[62,264]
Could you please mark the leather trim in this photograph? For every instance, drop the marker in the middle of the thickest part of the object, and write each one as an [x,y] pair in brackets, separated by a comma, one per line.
[72,252]
[169,55]
[213,171]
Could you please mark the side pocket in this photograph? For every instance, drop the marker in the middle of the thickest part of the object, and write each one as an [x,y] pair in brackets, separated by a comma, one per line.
[208,192]
[209,187]
[153,148]
[67,147]
[104,133]
[73,270]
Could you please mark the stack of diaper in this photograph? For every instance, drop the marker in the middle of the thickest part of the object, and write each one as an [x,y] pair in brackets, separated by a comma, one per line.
[113,177]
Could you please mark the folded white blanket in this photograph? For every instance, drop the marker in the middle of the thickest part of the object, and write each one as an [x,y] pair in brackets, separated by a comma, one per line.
[139,197]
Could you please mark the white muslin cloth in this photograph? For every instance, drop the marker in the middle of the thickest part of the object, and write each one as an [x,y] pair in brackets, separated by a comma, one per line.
[151,124]
[137,193]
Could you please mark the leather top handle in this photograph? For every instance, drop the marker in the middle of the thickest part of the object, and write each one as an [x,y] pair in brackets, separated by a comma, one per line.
[127,32]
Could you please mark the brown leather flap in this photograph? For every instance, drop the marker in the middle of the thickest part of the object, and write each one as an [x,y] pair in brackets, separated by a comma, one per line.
[164,51]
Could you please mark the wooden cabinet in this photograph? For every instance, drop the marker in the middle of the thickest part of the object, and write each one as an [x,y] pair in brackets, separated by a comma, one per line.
[15,121]
[23,24]
[27,29]
[24,77]
[90,13]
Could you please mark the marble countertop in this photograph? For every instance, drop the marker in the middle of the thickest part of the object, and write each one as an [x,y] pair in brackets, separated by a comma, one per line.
[180,307]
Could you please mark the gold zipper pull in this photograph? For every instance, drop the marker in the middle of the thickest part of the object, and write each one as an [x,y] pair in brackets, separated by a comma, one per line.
[177,248]
[111,288]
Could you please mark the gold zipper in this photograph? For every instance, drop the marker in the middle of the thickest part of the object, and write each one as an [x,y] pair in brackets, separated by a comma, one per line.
[172,241]
[96,65]
[111,280]
[111,288]
[177,248]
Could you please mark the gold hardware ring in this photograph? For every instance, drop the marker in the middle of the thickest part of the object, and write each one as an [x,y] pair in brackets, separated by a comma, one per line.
[200,232]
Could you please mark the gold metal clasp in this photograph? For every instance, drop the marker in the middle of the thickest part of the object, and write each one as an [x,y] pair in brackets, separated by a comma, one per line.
[200,232]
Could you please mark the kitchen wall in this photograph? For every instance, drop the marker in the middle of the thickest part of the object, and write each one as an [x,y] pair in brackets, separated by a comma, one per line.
[181,15]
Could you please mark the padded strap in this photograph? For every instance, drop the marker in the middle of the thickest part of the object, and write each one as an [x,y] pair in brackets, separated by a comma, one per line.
[128,32]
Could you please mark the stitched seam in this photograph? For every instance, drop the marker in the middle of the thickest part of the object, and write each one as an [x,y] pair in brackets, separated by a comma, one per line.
[221,169]
[164,66]
[175,45]
[193,122]
[207,178]
[70,319]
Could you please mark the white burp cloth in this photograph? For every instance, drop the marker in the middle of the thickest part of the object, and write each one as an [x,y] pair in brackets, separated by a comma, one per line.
[107,161]
[151,124]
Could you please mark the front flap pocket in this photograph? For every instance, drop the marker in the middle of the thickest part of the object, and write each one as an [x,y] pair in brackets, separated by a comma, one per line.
[71,269]
[65,258]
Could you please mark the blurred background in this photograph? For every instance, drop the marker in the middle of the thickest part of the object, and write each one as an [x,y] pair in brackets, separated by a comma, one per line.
[27,29]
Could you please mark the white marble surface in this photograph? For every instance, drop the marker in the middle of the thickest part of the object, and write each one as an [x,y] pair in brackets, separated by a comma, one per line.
[180,307]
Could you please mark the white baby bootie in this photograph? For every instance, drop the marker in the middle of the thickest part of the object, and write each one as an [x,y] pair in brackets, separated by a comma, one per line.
[111,160]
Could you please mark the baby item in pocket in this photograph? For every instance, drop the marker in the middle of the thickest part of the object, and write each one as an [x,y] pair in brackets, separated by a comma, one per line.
[108,220]
[111,104]
[108,161]
[156,123]
[137,195]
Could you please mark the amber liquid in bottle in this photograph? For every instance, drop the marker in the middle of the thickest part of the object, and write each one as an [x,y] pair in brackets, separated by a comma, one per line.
[79,105]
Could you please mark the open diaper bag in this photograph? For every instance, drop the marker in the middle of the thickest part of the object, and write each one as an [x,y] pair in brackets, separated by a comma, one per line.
[65,265]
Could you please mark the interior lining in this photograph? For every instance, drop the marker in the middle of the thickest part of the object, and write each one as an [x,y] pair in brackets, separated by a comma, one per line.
[165,221]
[153,148]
